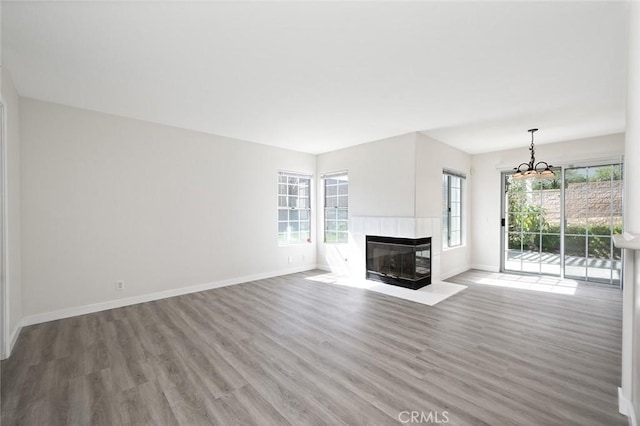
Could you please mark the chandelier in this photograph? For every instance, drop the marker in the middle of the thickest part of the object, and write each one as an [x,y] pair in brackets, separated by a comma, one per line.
[540,170]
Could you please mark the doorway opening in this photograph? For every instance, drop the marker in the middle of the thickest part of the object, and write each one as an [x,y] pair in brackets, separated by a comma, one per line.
[563,227]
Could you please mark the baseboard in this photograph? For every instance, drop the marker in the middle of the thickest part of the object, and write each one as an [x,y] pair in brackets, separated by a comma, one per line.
[488,268]
[447,275]
[324,268]
[134,300]
[626,407]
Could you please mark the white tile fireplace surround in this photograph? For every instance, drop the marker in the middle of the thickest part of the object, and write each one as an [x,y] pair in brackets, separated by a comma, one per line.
[347,263]
[399,227]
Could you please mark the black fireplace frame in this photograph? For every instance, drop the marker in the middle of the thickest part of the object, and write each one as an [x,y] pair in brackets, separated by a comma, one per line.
[388,278]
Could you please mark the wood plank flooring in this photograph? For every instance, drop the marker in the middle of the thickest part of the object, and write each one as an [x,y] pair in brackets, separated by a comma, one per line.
[290,350]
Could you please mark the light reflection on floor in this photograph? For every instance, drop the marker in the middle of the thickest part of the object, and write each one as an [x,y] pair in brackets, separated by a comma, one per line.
[531,282]
[334,278]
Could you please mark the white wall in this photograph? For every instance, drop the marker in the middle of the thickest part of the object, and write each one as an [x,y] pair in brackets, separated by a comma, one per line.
[13,266]
[381,175]
[381,183]
[486,172]
[107,198]
[432,156]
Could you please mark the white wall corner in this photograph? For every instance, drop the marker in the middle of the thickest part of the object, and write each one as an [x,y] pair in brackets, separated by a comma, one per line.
[626,407]
[453,273]
[325,268]
[424,227]
[487,268]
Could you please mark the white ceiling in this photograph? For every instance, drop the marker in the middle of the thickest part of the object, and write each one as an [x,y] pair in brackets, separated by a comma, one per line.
[318,76]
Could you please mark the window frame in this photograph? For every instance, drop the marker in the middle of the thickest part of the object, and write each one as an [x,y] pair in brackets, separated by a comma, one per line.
[341,211]
[293,212]
[449,201]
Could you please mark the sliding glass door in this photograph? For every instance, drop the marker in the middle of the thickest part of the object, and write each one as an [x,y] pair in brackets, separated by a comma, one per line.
[593,214]
[532,228]
[563,227]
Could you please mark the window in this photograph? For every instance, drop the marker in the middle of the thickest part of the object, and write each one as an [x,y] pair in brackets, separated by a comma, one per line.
[336,208]
[294,208]
[452,184]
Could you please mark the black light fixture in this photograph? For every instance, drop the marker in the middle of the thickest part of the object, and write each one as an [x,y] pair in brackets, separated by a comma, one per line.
[532,169]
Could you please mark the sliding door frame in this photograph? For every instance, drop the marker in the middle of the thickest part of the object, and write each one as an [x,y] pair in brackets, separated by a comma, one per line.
[504,214]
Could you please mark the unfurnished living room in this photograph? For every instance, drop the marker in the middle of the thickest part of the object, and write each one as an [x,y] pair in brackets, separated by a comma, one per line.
[327,213]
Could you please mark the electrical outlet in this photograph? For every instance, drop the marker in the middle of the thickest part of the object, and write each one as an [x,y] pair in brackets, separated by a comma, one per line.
[119,285]
[290,259]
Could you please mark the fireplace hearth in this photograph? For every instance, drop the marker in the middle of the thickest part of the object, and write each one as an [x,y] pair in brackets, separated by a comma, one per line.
[405,262]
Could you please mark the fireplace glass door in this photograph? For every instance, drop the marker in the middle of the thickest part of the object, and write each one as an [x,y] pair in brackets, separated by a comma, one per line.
[399,261]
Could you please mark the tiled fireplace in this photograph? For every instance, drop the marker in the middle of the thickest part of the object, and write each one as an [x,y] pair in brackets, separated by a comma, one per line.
[414,229]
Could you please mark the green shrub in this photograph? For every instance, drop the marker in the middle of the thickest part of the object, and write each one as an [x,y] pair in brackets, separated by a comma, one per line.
[536,231]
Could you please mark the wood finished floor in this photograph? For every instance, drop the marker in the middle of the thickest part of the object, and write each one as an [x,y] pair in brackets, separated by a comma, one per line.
[290,350]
